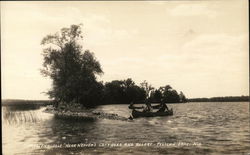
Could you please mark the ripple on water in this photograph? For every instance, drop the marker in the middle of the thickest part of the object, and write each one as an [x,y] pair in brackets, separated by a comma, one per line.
[222,128]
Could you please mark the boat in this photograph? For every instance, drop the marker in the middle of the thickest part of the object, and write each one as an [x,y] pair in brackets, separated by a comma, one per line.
[134,107]
[136,113]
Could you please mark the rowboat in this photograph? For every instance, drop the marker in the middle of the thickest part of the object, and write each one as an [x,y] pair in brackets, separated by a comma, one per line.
[136,113]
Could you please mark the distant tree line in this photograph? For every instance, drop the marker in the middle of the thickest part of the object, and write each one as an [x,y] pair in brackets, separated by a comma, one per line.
[126,91]
[74,76]
[14,102]
[221,99]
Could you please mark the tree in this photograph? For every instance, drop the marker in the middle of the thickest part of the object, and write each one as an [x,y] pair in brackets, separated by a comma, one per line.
[123,92]
[133,93]
[147,88]
[182,97]
[169,95]
[73,72]
[114,92]
[156,96]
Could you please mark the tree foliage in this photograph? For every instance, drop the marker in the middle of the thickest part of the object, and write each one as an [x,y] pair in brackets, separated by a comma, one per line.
[73,72]
[147,88]
[182,97]
[123,92]
[167,94]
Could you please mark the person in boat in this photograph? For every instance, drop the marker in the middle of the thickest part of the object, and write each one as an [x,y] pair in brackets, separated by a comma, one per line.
[148,107]
[131,105]
[163,107]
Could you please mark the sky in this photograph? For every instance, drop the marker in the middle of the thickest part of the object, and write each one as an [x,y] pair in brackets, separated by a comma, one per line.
[197,47]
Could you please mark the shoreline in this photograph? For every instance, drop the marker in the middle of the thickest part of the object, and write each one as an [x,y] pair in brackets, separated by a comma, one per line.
[83,114]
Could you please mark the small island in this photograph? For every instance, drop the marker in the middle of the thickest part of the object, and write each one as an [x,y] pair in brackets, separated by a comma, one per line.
[75,89]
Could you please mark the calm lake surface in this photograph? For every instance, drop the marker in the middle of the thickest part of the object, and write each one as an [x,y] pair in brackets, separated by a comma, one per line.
[195,128]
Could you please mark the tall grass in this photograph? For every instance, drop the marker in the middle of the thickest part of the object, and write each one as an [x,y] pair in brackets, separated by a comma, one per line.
[11,116]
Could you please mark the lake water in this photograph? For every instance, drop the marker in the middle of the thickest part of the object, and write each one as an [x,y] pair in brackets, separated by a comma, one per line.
[195,128]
